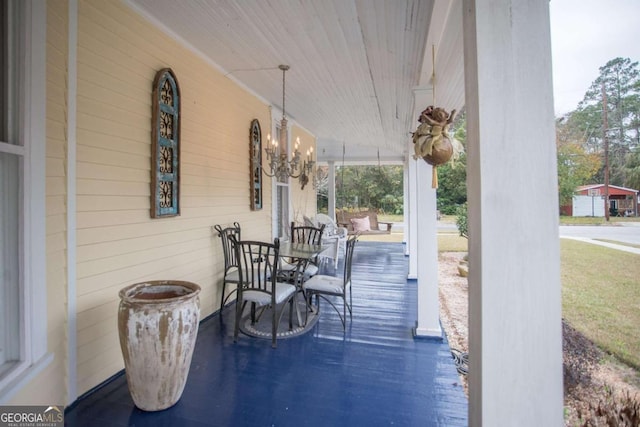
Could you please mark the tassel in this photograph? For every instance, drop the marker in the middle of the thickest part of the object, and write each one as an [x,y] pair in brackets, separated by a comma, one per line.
[434,177]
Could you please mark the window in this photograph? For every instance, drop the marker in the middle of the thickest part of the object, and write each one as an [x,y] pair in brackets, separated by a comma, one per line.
[22,262]
[281,205]
[11,160]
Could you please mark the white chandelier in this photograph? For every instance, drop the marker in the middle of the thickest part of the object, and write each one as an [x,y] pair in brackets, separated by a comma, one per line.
[279,165]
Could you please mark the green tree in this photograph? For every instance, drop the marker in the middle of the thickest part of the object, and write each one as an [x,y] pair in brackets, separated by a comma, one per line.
[632,169]
[620,79]
[322,189]
[375,187]
[452,176]
[452,185]
[576,165]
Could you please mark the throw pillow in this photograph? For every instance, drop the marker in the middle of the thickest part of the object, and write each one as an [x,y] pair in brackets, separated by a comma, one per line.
[361,224]
[373,220]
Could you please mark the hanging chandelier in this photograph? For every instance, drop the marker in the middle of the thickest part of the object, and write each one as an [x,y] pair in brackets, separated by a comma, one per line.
[279,164]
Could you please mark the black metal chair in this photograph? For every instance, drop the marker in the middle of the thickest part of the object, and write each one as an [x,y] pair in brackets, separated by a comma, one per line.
[230,260]
[306,234]
[257,267]
[303,234]
[323,287]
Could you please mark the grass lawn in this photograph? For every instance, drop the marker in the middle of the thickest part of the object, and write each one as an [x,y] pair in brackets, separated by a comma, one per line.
[390,218]
[600,293]
[601,297]
[392,237]
[452,242]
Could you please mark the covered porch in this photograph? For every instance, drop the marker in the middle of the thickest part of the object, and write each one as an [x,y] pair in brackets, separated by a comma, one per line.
[81,205]
[374,374]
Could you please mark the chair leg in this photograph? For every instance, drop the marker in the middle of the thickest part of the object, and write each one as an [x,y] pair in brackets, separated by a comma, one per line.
[239,310]
[350,302]
[308,305]
[306,308]
[291,313]
[274,327]
[344,312]
[222,298]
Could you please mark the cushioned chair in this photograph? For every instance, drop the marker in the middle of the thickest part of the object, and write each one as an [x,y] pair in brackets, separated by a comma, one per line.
[328,287]
[257,264]
[302,234]
[230,260]
[334,237]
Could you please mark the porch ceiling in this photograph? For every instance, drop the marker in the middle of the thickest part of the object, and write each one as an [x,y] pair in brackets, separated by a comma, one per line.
[354,63]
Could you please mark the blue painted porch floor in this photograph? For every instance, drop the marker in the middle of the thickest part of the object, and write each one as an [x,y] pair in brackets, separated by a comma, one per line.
[374,374]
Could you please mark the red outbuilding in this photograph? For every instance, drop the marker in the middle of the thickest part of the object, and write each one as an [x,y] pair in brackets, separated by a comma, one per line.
[589,200]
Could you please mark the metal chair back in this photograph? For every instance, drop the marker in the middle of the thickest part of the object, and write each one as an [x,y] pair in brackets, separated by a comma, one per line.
[306,234]
[257,266]
[230,258]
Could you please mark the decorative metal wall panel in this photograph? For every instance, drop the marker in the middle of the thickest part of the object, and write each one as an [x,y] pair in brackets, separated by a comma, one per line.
[165,146]
[255,170]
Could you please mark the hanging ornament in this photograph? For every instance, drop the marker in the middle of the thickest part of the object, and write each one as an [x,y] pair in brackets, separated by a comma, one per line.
[431,141]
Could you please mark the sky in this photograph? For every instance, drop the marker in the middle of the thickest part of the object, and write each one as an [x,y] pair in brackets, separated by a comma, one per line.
[585,35]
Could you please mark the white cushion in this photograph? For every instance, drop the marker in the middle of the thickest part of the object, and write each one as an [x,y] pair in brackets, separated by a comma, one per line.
[232,275]
[287,266]
[311,270]
[283,291]
[324,283]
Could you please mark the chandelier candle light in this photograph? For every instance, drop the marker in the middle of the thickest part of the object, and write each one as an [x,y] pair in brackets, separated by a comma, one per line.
[279,165]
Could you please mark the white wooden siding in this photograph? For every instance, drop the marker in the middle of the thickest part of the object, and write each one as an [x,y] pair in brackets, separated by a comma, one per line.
[304,201]
[118,243]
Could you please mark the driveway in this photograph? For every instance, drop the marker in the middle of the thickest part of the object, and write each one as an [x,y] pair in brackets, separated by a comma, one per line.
[627,232]
[624,232]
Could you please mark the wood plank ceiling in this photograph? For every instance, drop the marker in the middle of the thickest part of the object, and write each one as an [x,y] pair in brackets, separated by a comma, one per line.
[354,63]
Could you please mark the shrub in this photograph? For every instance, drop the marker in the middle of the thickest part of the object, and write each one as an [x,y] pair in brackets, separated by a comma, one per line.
[461,220]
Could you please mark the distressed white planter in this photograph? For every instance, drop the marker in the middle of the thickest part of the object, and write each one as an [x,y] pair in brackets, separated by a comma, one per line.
[158,325]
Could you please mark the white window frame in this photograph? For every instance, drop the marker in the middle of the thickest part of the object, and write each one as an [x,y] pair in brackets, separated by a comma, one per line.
[32,23]
[285,187]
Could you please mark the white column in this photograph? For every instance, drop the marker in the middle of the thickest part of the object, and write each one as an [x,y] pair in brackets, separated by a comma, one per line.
[331,193]
[515,374]
[413,221]
[405,206]
[423,97]
[428,322]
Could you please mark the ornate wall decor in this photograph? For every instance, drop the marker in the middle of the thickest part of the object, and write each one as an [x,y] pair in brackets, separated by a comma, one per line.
[255,156]
[165,146]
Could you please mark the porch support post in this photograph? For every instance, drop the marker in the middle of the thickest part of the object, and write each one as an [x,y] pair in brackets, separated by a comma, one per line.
[423,97]
[412,223]
[405,205]
[331,193]
[428,323]
[515,330]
